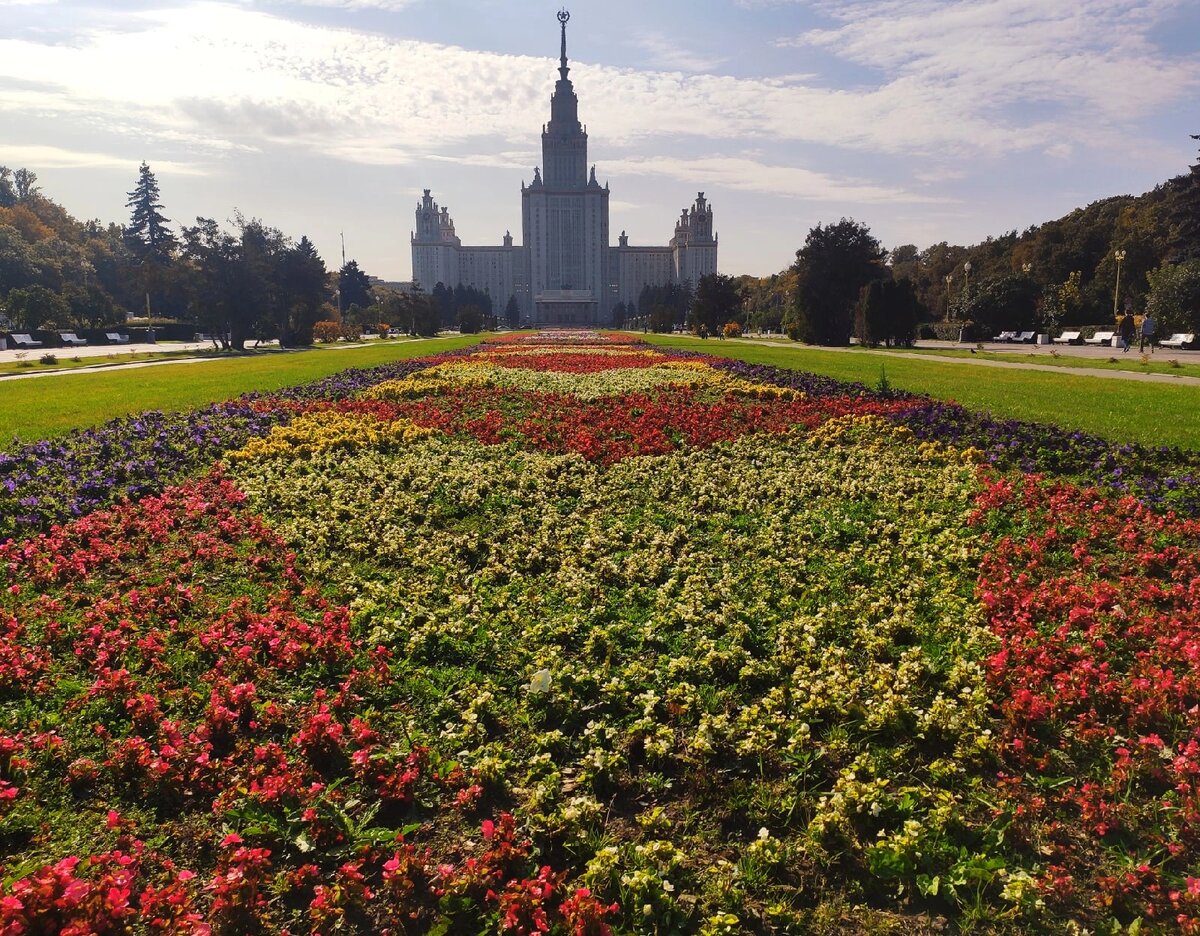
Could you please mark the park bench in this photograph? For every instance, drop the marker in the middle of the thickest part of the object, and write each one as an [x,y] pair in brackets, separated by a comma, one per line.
[1069,338]
[1179,340]
[1026,338]
[1100,338]
[70,339]
[116,338]
[25,341]
[1006,336]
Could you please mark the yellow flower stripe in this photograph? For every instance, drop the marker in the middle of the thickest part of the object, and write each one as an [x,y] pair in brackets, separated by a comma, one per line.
[481,373]
[537,350]
[876,434]
[326,430]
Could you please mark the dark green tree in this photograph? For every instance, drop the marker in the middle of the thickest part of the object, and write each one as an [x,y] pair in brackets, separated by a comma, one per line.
[354,287]
[619,315]
[675,297]
[210,256]
[303,280]
[888,312]
[470,319]
[870,327]
[426,316]
[1174,298]
[1002,303]
[147,233]
[512,313]
[147,236]
[18,266]
[233,278]
[662,318]
[8,192]
[718,300]
[832,267]
[261,301]
[1185,213]
[25,184]
[443,301]
[35,307]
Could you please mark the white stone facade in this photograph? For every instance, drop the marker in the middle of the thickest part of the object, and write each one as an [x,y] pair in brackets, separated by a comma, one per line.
[565,273]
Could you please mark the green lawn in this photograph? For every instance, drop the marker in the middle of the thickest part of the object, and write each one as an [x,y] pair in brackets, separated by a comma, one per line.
[49,406]
[1121,410]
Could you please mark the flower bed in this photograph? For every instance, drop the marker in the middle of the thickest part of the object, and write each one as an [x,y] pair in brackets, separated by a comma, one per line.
[567,635]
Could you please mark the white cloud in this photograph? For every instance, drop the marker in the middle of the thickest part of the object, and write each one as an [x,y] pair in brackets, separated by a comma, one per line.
[739,173]
[227,76]
[388,5]
[667,52]
[54,157]
[944,94]
[1090,63]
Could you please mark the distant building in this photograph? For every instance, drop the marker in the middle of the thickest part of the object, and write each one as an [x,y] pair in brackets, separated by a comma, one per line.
[564,272]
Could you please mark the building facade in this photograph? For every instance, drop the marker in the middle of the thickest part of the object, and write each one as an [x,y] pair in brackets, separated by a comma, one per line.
[565,272]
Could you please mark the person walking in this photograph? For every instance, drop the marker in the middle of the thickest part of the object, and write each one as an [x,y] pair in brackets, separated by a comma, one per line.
[1147,333]
[1125,328]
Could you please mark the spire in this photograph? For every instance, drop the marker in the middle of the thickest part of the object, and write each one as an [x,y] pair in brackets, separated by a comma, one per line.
[564,17]
[564,140]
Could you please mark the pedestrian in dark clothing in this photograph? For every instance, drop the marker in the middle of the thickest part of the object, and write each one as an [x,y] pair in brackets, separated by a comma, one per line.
[1147,333]
[1126,330]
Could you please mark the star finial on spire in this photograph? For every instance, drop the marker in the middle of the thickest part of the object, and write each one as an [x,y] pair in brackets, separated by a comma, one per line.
[564,17]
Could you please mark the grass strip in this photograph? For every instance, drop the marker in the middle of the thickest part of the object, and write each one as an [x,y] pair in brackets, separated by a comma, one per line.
[50,406]
[1113,408]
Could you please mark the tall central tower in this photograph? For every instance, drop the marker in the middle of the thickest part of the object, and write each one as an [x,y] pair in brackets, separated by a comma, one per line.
[564,141]
[565,217]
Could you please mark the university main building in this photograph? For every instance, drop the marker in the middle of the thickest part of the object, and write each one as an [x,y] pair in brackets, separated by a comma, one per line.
[564,272]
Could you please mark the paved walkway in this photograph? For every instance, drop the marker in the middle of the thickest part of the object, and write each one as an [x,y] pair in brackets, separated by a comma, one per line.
[1041,351]
[124,357]
[117,352]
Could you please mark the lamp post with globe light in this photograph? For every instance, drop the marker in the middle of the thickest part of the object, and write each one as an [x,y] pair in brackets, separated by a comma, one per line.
[1119,256]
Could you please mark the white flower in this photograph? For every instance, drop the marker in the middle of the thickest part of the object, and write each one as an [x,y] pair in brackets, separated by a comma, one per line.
[540,684]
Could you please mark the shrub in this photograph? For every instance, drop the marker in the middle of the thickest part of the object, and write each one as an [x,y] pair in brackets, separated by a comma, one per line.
[350,332]
[327,331]
[732,330]
[48,358]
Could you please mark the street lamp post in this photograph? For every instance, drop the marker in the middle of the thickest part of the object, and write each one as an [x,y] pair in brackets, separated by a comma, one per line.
[1118,256]
[949,280]
[967,280]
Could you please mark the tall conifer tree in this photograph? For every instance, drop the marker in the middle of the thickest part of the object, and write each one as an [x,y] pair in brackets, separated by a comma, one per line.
[147,233]
[148,237]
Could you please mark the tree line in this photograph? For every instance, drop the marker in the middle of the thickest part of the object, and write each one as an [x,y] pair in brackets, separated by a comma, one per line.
[244,279]
[238,280]
[1061,273]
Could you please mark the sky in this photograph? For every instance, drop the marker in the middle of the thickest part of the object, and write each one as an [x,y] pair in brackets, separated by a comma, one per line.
[926,120]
